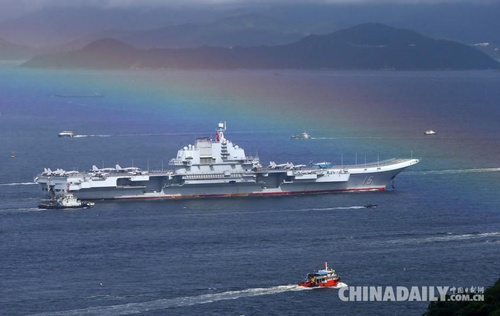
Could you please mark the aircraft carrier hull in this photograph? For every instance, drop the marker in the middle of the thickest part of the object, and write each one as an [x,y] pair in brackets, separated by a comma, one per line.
[165,185]
[219,168]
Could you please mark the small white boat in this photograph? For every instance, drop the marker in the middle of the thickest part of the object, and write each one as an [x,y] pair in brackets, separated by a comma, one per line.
[65,134]
[430,132]
[304,135]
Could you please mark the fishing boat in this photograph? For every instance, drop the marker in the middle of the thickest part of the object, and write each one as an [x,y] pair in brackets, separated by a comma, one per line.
[325,277]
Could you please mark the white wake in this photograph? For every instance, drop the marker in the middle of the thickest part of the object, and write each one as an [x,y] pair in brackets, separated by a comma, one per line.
[447,238]
[320,209]
[462,237]
[17,183]
[134,308]
[83,136]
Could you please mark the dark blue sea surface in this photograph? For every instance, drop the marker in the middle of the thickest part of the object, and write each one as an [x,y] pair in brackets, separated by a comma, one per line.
[439,226]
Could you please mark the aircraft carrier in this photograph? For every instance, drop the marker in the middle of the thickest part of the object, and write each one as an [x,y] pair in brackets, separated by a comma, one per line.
[219,168]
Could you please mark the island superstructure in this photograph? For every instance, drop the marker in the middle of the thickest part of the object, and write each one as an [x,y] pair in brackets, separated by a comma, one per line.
[219,168]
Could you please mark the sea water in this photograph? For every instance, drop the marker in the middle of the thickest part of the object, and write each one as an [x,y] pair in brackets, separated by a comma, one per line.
[438,226]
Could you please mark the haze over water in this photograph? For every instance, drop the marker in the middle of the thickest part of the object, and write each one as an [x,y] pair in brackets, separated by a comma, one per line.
[438,227]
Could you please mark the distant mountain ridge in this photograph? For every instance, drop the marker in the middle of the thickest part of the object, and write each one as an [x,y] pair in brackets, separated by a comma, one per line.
[105,53]
[11,51]
[464,21]
[241,30]
[367,46]
[55,25]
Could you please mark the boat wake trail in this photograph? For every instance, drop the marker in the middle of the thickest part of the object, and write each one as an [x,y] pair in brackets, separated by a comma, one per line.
[462,237]
[363,137]
[18,210]
[323,209]
[132,135]
[491,236]
[452,171]
[141,135]
[135,308]
[356,207]
[83,136]
[20,183]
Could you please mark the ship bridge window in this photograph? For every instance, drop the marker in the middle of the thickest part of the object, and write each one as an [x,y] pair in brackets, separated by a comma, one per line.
[206,160]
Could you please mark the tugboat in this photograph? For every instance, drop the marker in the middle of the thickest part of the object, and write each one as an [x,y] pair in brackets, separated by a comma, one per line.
[321,278]
[68,200]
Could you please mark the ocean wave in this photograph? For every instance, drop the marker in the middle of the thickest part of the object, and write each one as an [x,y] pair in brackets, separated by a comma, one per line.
[17,183]
[134,308]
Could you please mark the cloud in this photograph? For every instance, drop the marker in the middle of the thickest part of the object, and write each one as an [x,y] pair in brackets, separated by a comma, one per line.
[36,4]
[13,8]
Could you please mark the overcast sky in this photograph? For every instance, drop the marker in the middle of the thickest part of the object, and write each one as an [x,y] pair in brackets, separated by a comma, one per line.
[15,8]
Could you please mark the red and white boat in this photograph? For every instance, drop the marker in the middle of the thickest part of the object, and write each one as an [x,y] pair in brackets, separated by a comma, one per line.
[321,278]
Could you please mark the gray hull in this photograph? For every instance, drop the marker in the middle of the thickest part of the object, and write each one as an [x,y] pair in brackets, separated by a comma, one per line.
[260,183]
